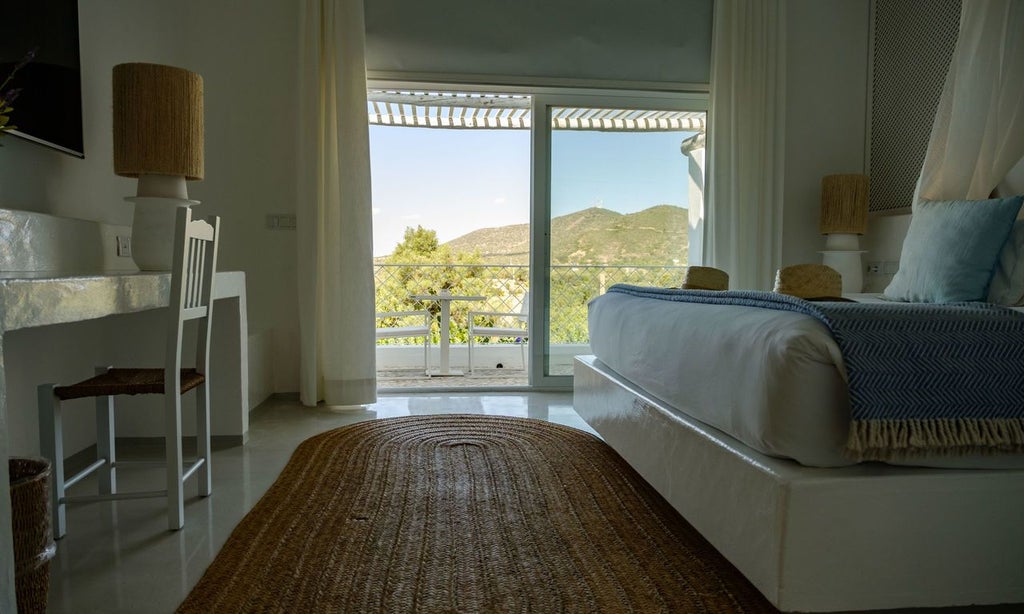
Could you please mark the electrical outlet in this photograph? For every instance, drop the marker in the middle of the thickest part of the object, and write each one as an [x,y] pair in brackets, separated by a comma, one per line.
[882,267]
[124,246]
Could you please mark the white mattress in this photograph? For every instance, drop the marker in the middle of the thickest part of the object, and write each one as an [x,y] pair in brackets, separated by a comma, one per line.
[772,379]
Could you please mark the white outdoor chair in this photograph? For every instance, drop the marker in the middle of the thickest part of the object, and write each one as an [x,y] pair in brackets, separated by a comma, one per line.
[414,330]
[192,276]
[514,324]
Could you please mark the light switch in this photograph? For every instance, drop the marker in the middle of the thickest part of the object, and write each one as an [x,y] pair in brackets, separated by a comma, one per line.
[124,246]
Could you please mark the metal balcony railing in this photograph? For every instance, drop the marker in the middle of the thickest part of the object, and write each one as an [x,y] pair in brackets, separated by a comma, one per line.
[504,286]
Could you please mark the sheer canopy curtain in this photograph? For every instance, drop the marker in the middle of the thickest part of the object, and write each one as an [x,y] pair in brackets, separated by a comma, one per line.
[335,236]
[978,133]
[746,141]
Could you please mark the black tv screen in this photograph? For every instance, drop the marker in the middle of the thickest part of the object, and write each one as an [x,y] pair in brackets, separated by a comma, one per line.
[49,108]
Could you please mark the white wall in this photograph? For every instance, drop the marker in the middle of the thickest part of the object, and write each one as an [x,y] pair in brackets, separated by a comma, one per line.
[34,178]
[883,242]
[247,54]
[826,102]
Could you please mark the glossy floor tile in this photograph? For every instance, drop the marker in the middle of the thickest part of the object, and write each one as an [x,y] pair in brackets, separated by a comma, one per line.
[119,556]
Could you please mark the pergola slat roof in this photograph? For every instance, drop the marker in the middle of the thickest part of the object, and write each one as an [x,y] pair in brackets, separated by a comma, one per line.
[513,112]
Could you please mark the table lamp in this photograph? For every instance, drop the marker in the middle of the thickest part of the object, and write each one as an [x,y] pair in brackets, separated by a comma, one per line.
[844,217]
[158,138]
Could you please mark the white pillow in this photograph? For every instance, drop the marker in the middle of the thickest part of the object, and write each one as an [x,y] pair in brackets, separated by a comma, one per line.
[1007,286]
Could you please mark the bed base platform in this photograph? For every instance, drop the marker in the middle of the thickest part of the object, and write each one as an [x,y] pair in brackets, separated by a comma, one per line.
[868,536]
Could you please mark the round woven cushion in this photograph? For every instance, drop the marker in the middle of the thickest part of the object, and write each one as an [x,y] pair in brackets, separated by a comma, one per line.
[705,278]
[809,281]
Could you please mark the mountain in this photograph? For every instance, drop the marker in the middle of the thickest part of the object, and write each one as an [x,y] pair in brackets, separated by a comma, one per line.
[656,235]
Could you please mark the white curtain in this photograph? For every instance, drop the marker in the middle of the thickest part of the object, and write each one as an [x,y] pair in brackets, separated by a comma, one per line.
[978,133]
[746,140]
[335,236]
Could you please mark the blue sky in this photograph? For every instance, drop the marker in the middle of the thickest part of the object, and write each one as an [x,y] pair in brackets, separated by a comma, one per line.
[456,181]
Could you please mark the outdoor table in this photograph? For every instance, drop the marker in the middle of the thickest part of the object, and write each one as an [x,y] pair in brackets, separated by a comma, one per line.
[444,299]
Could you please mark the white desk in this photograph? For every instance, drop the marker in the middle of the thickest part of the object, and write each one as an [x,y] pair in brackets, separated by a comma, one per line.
[44,299]
[445,300]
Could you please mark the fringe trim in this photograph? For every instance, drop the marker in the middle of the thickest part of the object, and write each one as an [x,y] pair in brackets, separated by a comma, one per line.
[886,440]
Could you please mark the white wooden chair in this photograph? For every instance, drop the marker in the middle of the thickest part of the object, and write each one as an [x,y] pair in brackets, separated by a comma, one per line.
[192,275]
[413,330]
[501,324]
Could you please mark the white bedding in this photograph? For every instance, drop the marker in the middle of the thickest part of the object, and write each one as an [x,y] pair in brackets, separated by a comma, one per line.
[772,379]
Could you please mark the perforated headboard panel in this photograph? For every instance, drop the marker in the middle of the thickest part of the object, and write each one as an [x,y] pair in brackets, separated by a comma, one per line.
[912,46]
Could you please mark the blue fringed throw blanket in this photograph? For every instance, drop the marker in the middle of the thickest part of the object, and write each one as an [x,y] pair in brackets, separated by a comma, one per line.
[923,378]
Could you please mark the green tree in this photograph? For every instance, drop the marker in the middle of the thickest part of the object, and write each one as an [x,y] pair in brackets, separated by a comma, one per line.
[427,267]
[416,243]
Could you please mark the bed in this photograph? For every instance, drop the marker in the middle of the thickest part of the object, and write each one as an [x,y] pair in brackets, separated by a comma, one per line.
[740,417]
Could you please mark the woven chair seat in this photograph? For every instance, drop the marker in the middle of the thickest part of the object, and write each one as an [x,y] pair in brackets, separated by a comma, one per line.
[127,381]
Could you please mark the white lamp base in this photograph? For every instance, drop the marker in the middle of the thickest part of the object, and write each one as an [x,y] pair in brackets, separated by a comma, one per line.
[842,253]
[162,186]
[848,264]
[153,231]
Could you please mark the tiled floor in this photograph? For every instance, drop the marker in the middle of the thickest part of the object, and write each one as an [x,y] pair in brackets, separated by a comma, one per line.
[120,557]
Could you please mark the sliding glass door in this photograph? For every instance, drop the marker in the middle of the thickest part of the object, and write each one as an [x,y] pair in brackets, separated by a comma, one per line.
[614,194]
[614,201]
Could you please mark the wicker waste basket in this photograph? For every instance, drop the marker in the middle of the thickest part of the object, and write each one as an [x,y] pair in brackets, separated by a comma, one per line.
[33,537]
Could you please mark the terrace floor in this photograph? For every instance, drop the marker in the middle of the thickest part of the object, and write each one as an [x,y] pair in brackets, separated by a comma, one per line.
[389,379]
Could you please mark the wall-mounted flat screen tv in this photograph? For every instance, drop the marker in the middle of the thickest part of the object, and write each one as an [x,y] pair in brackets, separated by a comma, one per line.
[49,108]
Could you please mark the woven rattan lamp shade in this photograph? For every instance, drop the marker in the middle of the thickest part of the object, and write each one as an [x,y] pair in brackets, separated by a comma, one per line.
[844,204]
[158,121]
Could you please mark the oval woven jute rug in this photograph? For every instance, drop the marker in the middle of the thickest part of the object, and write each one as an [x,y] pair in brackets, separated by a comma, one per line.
[465,513]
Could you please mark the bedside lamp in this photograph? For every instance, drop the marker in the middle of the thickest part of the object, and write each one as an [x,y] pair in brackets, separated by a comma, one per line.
[844,217]
[158,138]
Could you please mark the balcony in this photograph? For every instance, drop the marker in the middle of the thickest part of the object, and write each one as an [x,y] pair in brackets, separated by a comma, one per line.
[400,360]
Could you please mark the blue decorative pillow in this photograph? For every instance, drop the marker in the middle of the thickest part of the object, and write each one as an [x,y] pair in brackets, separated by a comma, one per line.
[951,249]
